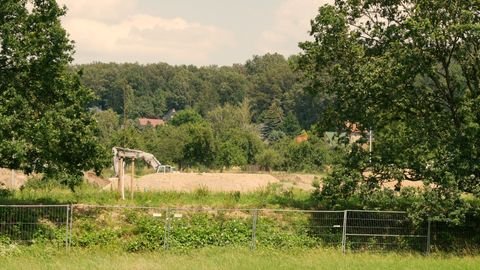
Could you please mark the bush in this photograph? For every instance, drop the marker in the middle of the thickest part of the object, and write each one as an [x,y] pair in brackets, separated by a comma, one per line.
[268,159]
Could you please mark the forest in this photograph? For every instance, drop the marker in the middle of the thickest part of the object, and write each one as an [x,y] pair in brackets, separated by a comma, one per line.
[230,116]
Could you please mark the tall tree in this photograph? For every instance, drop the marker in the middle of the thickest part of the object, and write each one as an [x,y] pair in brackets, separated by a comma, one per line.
[272,119]
[44,122]
[271,77]
[409,70]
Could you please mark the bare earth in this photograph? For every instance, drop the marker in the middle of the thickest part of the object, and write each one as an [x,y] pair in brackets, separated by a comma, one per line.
[7,180]
[187,182]
[227,182]
[216,182]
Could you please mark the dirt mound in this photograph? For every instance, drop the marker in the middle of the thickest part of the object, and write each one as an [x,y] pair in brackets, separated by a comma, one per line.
[92,178]
[216,182]
[7,180]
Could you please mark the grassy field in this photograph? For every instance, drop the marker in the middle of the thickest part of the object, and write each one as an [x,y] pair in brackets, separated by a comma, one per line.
[228,258]
[272,196]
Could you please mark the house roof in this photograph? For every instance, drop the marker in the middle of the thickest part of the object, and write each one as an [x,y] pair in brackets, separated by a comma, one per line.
[170,114]
[151,121]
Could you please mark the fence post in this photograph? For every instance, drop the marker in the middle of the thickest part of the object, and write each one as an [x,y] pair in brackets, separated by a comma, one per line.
[344,232]
[67,226]
[254,229]
[70,232]
[167,229]
[427,251]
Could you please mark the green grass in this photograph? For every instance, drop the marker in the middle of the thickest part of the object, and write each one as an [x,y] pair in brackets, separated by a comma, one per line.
[269,197]
[228,258]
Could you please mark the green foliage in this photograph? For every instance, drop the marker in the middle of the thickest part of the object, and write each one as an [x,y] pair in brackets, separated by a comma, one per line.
[108,123]
[200,146]
[290,125]
[238,258]
[229,117]
[272,120]
[44,122]
[227,97]
[129,137]
[188,116]
[272,77]
[408,71]
[230,154]
[166,143]
[237,147]
[268,159]
[310,155]
[155,88]
[141,231]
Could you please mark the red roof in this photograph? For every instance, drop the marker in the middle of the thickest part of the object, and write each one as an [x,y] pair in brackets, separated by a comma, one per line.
[151,121]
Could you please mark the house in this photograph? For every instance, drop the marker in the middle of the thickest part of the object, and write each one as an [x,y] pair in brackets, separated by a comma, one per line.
[151,121]
[302,137]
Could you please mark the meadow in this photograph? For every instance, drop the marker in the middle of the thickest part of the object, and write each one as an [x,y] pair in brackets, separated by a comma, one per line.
[229,258]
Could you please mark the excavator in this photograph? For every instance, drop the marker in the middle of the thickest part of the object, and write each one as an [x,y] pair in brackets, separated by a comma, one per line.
[126,153]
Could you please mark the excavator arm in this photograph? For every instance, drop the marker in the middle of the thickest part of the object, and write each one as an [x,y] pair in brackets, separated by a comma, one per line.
[126,153]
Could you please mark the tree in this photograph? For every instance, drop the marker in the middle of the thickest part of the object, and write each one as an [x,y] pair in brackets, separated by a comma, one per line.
[271,76]
[199,148]
[44,122]
[310,155]
[108,123]
[237,147]
[268,159]
[290,125]
[167,144]
[188,116]
[228,117]
[409,70]
[272,119]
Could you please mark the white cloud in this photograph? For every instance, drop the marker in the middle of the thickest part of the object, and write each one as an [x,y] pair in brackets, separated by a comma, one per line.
[112,30]
[291,25]
[103,10]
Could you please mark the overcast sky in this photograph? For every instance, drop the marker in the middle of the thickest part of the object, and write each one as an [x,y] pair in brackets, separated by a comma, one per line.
[198,32]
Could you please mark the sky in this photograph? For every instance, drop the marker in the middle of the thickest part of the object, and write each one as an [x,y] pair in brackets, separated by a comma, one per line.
[197,32]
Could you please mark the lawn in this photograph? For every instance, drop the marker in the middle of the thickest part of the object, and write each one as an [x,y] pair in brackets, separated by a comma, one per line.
[228,258]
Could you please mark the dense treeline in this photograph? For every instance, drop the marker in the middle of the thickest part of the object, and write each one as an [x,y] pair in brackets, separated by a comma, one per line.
[266,82]
[228,116]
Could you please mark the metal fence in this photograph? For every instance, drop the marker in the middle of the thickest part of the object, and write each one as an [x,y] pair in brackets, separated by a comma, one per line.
[35,223]
[139,228]
[151,228]
[383,230]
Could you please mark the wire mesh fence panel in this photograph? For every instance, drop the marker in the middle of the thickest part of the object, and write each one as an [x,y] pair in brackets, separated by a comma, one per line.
[327,226]
[383,230]
[451,237]
[154,228]
[132,228]
[34,223]
[194,228]
[278,228]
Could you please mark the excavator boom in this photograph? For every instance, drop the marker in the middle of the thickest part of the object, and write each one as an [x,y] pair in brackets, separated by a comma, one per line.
[120,152]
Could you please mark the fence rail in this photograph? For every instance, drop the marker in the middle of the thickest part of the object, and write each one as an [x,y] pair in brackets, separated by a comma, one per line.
[140,228]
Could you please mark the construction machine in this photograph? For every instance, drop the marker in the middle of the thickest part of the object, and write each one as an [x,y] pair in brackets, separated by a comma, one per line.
[133,154]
